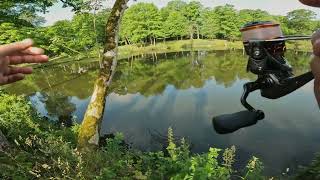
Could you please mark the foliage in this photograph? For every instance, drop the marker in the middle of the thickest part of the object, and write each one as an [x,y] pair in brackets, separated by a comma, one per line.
[210,27]
[227,22]
[312,171]
[143,23]
[299,21]
[24,13]
[40,149]
[254,169]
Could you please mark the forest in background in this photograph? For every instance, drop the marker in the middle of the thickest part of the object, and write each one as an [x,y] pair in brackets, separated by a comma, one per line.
[143,24]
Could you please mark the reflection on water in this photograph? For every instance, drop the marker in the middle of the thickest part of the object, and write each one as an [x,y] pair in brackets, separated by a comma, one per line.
[185,90]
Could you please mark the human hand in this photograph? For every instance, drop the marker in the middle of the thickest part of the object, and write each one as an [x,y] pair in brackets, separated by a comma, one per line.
[315,67]
[315,40]
[18,53]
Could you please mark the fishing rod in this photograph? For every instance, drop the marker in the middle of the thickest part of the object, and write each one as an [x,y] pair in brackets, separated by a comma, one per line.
[265,45]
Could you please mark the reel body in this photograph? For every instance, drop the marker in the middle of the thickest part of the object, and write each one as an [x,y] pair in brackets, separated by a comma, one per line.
[265,45]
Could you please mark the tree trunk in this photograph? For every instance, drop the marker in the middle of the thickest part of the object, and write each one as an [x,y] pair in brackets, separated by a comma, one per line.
[151,40]
[127,40]
[90,129]
[198,32]
[95,31]
[4,144]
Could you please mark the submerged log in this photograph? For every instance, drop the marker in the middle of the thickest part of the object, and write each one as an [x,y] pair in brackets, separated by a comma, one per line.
[90,129]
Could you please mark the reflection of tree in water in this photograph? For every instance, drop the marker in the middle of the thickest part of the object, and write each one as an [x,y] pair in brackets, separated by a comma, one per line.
[73,79]
[300,61]
[191,70]
[58,105]
[151,74]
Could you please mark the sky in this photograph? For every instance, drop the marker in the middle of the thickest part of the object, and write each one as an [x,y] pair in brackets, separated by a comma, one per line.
[277,7]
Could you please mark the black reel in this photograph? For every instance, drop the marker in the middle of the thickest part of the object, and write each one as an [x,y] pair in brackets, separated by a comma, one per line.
[275,79]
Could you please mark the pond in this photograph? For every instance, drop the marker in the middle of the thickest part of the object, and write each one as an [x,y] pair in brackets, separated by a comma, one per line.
[184,91]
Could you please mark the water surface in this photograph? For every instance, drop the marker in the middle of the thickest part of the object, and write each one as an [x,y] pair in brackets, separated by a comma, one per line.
[185,90]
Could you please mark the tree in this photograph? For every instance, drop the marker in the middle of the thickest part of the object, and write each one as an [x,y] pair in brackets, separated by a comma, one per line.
[249,15]
[172,6]
[141,23]
[300,21]
[85,36]
[176,25]
[60,38]
[90,129]
[192,12]
[227,22]
[283,20]
[101,24]
[23,12]
[95,5]
[209,28]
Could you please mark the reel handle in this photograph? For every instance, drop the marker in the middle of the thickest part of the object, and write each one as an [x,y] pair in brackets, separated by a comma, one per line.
[230,123]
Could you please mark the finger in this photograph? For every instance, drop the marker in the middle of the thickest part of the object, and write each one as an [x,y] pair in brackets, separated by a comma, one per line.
[316,47]
[4,65]
[14,60]
[11,78]
[17,47]
[315,66]
[19,70]
[33,51]
[315,36]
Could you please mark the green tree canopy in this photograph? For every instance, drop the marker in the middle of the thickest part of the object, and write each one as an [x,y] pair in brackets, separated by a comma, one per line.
[301,21]
[141,22]
[227,22]
[24,12]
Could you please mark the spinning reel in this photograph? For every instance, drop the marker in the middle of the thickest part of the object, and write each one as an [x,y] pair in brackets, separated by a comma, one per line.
[265,46]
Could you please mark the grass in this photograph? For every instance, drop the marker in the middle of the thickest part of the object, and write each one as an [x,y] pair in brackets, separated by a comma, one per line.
[180,45]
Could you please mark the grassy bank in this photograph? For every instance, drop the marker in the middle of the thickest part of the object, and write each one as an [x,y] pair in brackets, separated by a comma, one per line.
[181,45]
[199,44]
[177,46]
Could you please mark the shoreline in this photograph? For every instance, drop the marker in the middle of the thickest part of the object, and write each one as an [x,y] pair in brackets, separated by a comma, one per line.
[126,51]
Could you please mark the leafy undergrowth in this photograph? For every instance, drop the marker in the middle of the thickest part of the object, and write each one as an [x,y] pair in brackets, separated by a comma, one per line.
[40,149]
[312,171]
